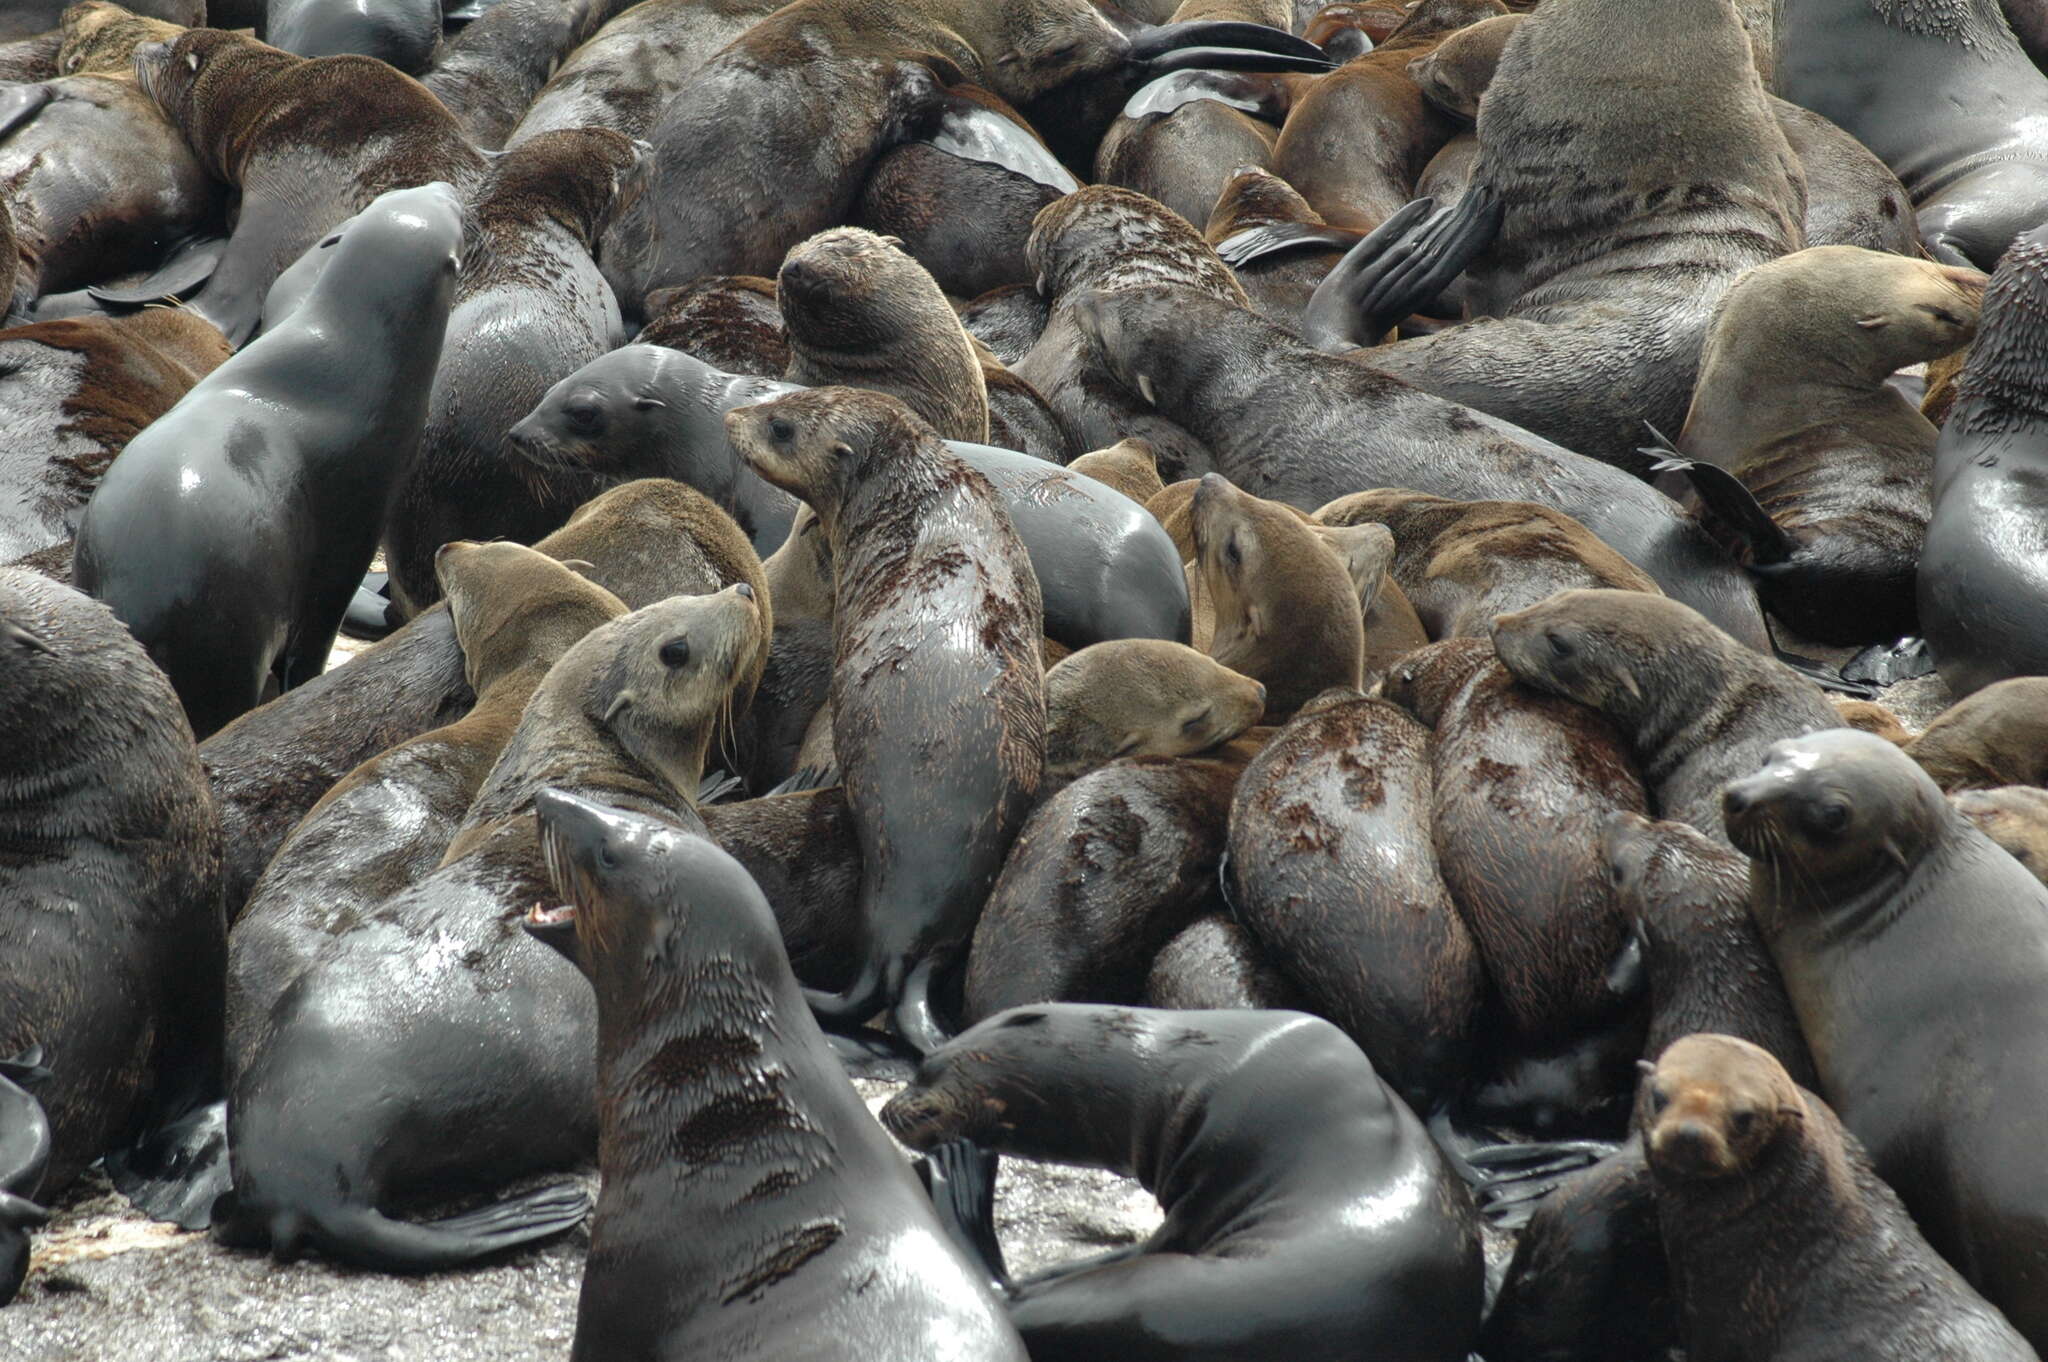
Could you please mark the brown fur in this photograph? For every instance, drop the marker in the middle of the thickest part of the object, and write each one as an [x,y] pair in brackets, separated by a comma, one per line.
[1941,385]
[1454,75]
[729,322]
[1872,717]
[1997,736]
[1129,466]
[100,38]
[1280,285]
[1141,698]
[2015,817]
[1426,680]
[1214,963]
[31,59]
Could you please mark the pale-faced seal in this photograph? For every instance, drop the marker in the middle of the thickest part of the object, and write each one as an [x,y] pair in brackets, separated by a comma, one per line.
[529,303]
[1299,1241]
[818,1216]
[110,916]
[1792,400]
[306,142]
[231,535]
[917,538]
[1291,425]
[433,1045]
[1752,1175]
[1695,707]
[858,311]
[1984,568]
[1372,938]
[1911,948]
[1999,736]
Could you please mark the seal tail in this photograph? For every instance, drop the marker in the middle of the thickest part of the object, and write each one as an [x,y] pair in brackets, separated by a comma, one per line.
[364,1237]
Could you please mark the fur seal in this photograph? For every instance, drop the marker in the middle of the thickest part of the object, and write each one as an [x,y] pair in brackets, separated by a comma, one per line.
[306,142]
[1256,206]
[1695,707]
[1982,580]
[262,492]
[1104,874]
[490,73]
[529,303]
[1214,963]
[1141,697]
[917,537]
[73,394]
[100,38]
[1686,898]
[1346,1225]
[1613,272]
[402,33]
[818,1216]
[484,1072]
[1833,462]
[33,17]
[859,311]
[1998,736]
[384,826]
[1753,1174]
[1286,423]
[1944,95]
[1910,946]
[110,885]
[2013,816]
[1008,320]
[1462,563]
[1177,138]
[729,323]
[1872,717]
[1128,466]
[1374,941]
[644,541]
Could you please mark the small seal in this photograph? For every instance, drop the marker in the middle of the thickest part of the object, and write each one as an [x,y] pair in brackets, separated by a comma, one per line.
[192,538]
[720,1102]
[1141,697]
[1999,736]
[2015,817]
[1910,946]
[1289,1239]
[918,538]
[1746,1166]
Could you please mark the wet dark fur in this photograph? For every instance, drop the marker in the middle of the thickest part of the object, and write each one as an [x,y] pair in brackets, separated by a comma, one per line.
[730,323]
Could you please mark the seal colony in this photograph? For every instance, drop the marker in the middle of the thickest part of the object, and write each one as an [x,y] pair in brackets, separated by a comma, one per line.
[1341,610]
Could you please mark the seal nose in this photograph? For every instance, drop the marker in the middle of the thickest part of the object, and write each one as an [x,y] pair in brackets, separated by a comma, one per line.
[1260,687]
[1688,1146]
[1735,801]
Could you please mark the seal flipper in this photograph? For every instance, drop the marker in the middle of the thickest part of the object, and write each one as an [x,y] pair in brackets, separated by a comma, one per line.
[960,1178]
[1725,502]
[974,132]
[808,778]
[21,103]
[1402,266]
[364,1237]
[233,298]
[17,1217]
[1276,238]
[1209,35]
[176,1172]
[369,613]
[183,273]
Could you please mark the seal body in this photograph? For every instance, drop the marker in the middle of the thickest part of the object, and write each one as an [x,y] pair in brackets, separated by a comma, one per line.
[917,538]
[818,1218]
[1911,948]
[110,912]
[1984,569]
[401,33]
[1998,736]
[729,322]
[231,535]
[1267,1249]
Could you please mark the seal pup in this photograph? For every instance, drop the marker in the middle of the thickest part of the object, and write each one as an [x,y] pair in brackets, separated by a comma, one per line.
[73,394]
[1983,573]
[2013,816]
[1998,736]
[719,1101]
[529,303]
[1460,563]
[1753,1175]
[305,141]
[231,535]
[1912,950]
[1373,940]
[1339,1228]
[918,538]
[1833,463]
[110,916]
[385,825]
[433,1046]
[1286,423]
[1128,466]
[1696,707]
[859,311]
[1141,697]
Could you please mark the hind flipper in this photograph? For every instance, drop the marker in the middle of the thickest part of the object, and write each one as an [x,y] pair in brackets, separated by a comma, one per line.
[363,1237]
[1402,267]
[177,1172]
[25,1141]
[178,277]
[960,1178]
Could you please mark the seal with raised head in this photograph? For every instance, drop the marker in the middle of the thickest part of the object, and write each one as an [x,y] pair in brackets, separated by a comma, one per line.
[110,917]
[1998,736]
[305,141]
[529,303]
[1983,582]
[230,536]
[859,311]
[432,1046]
[1784,1243]
[919,541]
[1286,423]
[1695,707]
[1833,463]
[1333,871]
[1341,1227]
[719,1101]
[1912,950]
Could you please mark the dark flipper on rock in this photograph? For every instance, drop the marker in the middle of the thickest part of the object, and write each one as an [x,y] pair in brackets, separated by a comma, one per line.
[364,1237]
[960,1176]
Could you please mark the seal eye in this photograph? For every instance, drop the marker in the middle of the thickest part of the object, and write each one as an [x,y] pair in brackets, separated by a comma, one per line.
[581,416]
[1832,816]
[781,431]
[1231,552]
[1195,721]
[1559,644]
[1742,1122]
[675,654]
[1659,1099]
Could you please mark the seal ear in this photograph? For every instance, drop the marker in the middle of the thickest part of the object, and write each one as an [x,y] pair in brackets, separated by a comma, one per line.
[1875,321]
[842,450]
[582,567]
[1645,1067]
[192,61]
[647,403]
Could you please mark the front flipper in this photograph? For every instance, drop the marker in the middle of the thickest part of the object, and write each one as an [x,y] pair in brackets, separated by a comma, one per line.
[1279,238]
[176,1173]
[24,1141]
[17,1217]
[1400,268]
[180,276]
[1728,505]
[960,1177]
